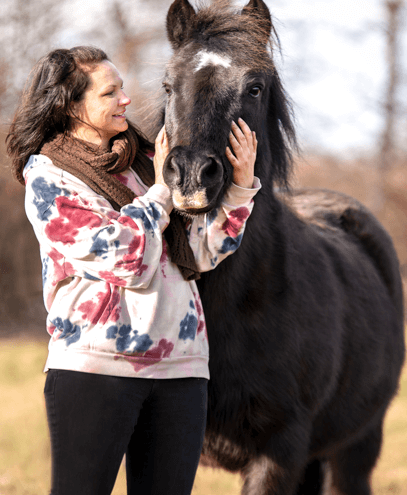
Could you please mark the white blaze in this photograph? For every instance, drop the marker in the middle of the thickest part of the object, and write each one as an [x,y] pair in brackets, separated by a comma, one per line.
[210,58]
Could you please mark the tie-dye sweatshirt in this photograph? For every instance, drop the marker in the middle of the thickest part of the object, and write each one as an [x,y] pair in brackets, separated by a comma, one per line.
[116,304]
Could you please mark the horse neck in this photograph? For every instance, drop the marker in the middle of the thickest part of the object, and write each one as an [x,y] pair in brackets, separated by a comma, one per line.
[264,235]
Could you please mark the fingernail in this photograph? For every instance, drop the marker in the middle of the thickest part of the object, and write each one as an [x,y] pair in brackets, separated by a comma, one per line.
[233,122]
[241,120]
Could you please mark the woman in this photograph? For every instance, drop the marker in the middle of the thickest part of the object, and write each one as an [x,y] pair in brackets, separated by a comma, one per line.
[127,368]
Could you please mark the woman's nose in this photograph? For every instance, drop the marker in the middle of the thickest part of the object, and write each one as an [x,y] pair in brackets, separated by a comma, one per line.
[125,100]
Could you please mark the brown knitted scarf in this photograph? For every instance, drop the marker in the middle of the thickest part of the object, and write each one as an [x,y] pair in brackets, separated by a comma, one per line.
[95,166]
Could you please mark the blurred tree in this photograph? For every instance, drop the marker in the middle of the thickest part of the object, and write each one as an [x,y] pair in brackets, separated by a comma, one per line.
[27,30]
[388,140]
[133,43]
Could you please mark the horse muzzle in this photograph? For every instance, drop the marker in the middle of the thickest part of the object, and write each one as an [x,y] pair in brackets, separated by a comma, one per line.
[194,178]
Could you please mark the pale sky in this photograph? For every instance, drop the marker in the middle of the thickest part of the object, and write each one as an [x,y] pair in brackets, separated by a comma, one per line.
[342,41]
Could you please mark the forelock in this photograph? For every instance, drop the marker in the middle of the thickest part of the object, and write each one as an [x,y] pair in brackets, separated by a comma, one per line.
[228,28]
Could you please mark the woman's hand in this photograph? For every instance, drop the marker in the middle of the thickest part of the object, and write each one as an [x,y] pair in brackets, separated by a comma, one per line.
[161,151]
[244,145]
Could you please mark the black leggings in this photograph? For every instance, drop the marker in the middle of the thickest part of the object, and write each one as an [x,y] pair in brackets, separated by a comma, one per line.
[95,419]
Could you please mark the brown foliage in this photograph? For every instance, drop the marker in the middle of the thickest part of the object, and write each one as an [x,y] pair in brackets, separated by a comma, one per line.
[21,303]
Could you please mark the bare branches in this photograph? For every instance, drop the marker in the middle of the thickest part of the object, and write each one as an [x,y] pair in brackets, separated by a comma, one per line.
[393,9]
[27,31]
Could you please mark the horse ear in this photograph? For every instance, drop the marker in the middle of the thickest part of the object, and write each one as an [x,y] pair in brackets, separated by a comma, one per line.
[179,18]
[259,9]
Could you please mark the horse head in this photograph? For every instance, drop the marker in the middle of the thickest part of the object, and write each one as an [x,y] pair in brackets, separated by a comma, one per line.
[221,69]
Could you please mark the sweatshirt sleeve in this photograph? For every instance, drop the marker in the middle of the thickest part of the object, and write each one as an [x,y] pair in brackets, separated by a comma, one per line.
[217,234]
[85,237]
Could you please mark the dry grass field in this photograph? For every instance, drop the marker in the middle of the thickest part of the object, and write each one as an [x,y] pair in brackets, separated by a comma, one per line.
[24,446]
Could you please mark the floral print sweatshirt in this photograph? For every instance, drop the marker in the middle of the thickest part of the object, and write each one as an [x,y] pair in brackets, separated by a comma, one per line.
[116,304]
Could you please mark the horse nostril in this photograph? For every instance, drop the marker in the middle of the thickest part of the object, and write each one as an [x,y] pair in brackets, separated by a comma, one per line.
[172,171]
[210,170]
[170,166]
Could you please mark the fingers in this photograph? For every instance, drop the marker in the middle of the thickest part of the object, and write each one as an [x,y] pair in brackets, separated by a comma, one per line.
[236,145]
[231,157]
[160,135]
[161,152]
[161,142]
[237,138]
[241,137]
[244,130]
[254,141]
[161,138]
[243,142]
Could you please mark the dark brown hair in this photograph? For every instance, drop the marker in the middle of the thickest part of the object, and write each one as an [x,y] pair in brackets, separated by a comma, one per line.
[56,80]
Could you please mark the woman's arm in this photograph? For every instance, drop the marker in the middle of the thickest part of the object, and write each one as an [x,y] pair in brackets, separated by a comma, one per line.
[216,235]
[87,237]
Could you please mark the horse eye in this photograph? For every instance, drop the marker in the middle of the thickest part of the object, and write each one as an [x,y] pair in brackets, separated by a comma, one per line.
[255,91]
[167,89]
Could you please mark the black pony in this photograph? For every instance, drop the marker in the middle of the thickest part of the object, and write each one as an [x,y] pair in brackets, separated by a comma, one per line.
[305,320]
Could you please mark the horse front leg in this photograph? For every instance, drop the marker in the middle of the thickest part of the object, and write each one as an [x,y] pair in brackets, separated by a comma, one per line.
[352,467]
[263,476]
[278,468]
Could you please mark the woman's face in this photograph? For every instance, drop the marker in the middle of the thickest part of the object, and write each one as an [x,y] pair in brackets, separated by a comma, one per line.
[102,106]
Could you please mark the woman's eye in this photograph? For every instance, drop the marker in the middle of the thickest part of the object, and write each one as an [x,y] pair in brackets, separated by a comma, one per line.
[255,91]
[111,93]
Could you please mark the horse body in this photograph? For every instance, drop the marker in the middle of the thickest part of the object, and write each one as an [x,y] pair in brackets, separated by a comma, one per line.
[306,350]
[305,319]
